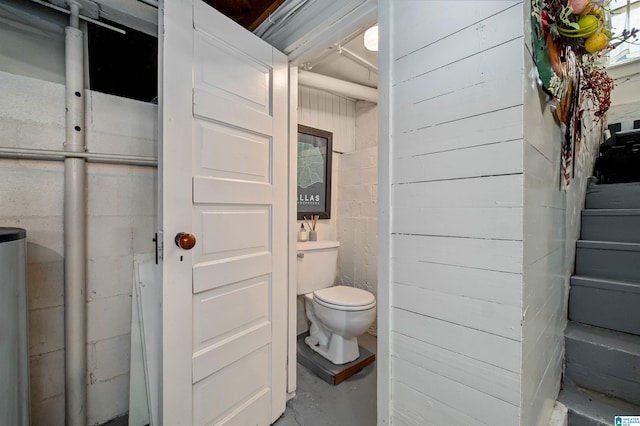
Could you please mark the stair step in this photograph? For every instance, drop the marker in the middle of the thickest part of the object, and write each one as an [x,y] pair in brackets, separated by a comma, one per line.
[603,360]
[619,225]
[590,408]
[609,260]
[613,196]
[605,303]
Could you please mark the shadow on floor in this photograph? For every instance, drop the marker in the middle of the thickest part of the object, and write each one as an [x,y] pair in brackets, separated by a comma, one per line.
[317,403]
[118,421]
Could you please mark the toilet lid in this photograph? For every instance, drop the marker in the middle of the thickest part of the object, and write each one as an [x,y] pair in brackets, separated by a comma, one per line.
[341,295]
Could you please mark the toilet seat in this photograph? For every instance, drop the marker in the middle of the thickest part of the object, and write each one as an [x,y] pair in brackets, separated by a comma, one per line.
[344,298]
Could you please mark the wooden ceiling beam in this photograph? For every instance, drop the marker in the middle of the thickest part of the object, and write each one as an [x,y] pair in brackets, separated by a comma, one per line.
[248,13]
[271,6]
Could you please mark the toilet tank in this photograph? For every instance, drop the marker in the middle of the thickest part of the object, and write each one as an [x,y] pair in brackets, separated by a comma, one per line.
[317,262]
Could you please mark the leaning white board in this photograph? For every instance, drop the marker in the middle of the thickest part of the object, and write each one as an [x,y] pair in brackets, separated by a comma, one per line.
[145,342]
[138,397]
[149,303]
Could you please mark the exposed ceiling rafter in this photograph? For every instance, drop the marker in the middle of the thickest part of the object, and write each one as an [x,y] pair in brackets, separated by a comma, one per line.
[248,13]
[317,26]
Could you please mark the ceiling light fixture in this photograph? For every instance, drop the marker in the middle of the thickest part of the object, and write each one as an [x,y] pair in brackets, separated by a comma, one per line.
[371,38]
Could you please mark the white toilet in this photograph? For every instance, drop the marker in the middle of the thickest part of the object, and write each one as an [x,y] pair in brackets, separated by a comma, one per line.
[338,314]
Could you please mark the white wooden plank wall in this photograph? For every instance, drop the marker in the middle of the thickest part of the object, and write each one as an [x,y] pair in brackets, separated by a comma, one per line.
[551,224]
[326,111]
[543,293]
[456,212]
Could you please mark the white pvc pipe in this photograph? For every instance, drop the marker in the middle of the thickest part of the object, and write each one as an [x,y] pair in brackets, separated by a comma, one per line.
[357,59]
[334,85]
[86,18]
[75,229]
[93,157]
[74,18]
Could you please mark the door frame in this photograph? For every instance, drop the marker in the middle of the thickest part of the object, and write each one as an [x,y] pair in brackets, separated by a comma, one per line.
[304,42]
[292,296]
[175,124]
[313,44]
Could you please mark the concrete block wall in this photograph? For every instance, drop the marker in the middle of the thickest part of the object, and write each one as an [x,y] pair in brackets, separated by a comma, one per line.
[357,204]
[121,205]
[32,40]
[326,111]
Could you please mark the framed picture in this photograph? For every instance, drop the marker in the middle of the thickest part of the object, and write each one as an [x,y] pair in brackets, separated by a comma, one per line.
[314,172]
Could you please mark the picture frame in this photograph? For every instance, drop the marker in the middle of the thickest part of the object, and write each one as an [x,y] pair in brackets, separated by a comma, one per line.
[315,148]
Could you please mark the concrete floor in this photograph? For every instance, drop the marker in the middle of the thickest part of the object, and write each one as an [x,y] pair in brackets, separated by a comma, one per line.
[118,421]
[317,403]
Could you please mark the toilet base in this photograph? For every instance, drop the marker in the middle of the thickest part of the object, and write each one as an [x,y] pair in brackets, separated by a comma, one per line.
[339,350]
[325,369]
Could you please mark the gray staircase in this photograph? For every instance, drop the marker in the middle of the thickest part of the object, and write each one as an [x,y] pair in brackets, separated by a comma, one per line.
[606,259]
[605,303]
[619,225]
[614,196]
[602,339]
[591,408]
[604,361]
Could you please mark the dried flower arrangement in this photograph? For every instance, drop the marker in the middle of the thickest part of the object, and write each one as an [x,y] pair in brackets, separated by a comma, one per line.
[569,39]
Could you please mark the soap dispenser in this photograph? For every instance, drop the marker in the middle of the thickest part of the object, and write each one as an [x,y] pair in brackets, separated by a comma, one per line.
[302,235]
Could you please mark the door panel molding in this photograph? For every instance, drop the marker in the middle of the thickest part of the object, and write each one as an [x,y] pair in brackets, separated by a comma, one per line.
[224,178]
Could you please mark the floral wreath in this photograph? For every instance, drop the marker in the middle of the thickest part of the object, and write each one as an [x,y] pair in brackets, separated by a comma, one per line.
[569,38]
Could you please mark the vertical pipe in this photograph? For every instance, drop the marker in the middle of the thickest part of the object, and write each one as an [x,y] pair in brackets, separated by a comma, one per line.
[74,18]
[75,228]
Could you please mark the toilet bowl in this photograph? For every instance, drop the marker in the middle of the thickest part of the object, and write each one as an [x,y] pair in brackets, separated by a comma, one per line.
[338,314]
[337,321]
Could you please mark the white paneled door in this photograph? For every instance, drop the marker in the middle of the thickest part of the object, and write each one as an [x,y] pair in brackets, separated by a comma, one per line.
[223,112]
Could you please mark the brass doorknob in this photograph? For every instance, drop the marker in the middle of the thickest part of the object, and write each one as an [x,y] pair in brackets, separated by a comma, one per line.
[185,240]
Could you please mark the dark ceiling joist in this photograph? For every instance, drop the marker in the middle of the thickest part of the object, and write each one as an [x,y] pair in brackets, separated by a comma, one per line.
[271,7]
[248,13]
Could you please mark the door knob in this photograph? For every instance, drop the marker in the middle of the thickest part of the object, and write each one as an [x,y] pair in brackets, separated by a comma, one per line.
[185,240]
